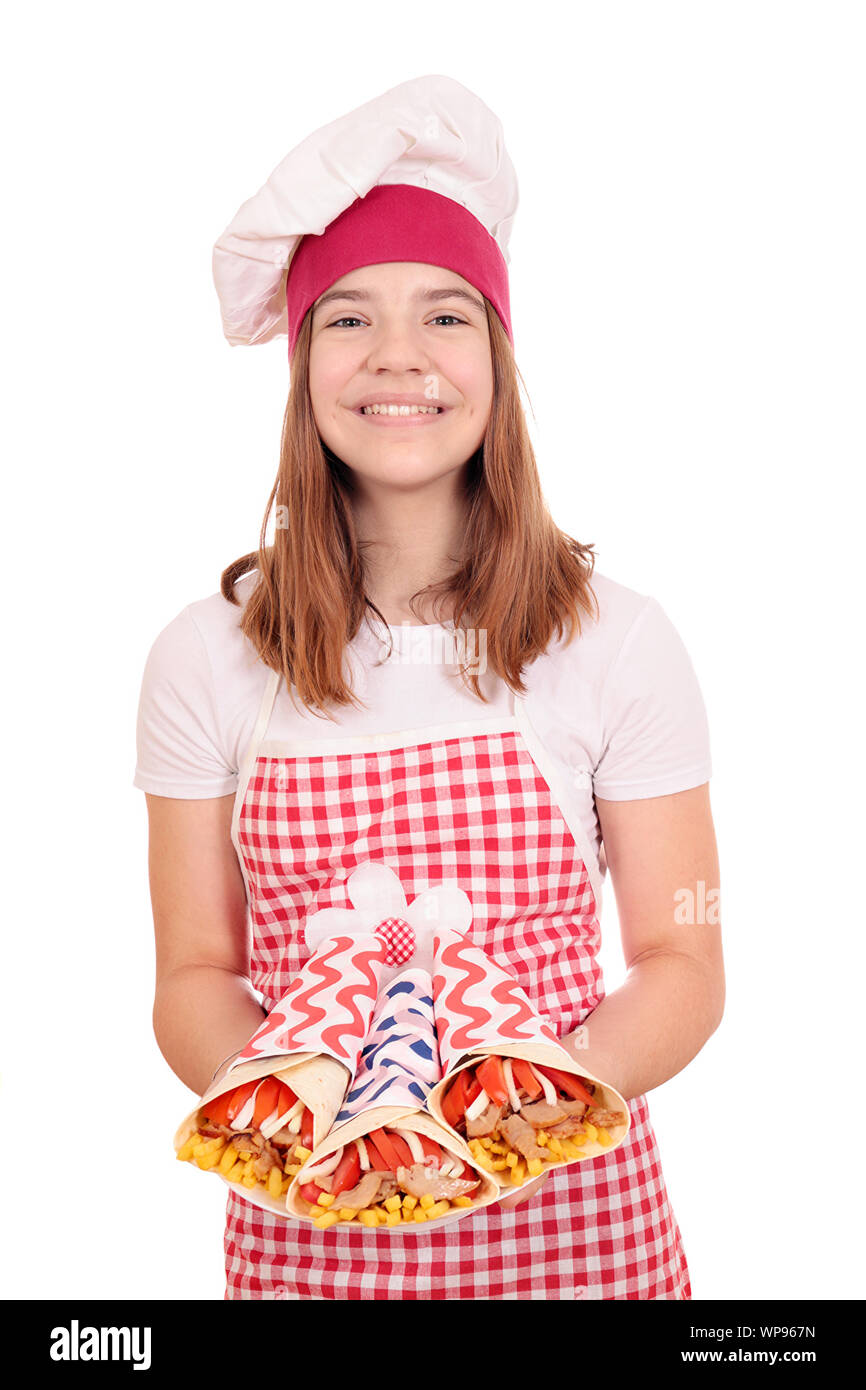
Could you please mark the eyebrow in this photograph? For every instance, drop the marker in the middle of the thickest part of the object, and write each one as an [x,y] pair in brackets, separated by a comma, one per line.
[431,296]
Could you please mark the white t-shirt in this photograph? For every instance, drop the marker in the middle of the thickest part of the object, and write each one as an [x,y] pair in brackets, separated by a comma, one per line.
[619,709]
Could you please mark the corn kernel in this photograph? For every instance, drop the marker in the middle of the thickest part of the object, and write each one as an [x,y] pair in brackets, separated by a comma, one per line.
[409,1202]
[604,1138]
[591,1131]
[427,1201]
[348,1213]
[392,1204]
[535,1167]
[511,1159]
[438,1209]
[368,1217]
[301,1152]
[394,1217]
[419,1215]
[328,1218]
[325,1199]
[461,1201]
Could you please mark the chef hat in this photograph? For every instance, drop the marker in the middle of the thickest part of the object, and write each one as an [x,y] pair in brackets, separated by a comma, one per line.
[419,173]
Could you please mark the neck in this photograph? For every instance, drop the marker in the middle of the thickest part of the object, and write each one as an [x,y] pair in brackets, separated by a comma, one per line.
[413,541]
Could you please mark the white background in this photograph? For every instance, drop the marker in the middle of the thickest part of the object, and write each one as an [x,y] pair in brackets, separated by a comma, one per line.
[687,279]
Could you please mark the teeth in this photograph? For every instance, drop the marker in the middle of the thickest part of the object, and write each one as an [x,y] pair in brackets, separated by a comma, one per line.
[401,410]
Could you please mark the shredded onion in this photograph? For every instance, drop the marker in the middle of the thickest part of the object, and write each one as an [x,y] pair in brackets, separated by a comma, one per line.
[478,1106]
[243,1117]
[323,1169]
[509,1081]
[549,1088]
[363,1155]
[414,1143]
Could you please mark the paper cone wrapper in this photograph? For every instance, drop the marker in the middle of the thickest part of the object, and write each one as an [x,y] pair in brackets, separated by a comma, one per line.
[327,1009]
[477,1004]
[398,1068]
[481,1011]
[399,1064]
[319,1082]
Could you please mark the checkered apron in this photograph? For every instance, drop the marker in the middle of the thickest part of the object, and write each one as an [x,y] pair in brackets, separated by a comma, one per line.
[472,802]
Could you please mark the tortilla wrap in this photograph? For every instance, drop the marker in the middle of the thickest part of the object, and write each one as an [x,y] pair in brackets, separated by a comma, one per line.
[320,1082]
[399,1066]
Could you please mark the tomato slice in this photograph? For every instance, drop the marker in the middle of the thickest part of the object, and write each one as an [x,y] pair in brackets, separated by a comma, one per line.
[311,1192]
[377,1162]
[217,1110]
[453,1103]
[400,1144]
[568,1083]
[287,1099]
[265,1100]
[491,1074]
[239,1099]
[471,1085]
[525,1077]
[307,1129]
[431,1148]
[384,1143]
[347,1170]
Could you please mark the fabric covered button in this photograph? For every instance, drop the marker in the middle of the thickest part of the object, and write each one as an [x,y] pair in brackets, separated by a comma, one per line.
[399,938]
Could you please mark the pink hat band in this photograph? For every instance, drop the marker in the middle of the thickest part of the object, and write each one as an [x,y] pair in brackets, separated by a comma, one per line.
[397,222]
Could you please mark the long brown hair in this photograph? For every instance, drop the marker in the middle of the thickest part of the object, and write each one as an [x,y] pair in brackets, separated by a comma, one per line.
[519,579]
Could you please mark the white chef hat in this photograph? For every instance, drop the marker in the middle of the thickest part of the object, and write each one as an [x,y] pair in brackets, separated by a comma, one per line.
[419,173]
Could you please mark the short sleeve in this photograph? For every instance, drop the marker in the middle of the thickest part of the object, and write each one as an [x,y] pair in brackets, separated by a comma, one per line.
[654,723]
[178,743]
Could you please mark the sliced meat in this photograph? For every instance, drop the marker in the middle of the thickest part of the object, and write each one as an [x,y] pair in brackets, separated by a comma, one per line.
[390,1187]
[521,1136]
[572,1107]
[540,1114]
[572,1125]
[363,1194]
[249,1141]
[422,1178]
[605,1119]
[268,1158]
[485,1123]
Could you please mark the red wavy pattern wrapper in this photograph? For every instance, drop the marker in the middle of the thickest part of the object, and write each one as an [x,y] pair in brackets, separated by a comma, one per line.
[477,1003]
[329,1005]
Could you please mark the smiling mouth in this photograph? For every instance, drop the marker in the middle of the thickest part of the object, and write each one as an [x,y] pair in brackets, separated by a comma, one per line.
[400,411]
[397,415]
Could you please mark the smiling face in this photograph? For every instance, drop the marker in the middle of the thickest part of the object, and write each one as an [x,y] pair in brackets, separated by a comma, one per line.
[401,335]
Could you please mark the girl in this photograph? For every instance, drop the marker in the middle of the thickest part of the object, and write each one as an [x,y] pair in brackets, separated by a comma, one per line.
[421,668]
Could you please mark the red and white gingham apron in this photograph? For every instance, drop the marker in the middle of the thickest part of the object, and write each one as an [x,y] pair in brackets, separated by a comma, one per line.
[476,802]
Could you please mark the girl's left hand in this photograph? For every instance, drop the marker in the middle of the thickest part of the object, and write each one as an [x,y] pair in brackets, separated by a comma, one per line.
[522,1194]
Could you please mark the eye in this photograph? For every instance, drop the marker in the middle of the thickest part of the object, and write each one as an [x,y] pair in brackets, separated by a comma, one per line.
[348,318]
[453,317]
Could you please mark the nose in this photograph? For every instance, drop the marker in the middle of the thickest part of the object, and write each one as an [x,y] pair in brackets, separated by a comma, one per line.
[397,347]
